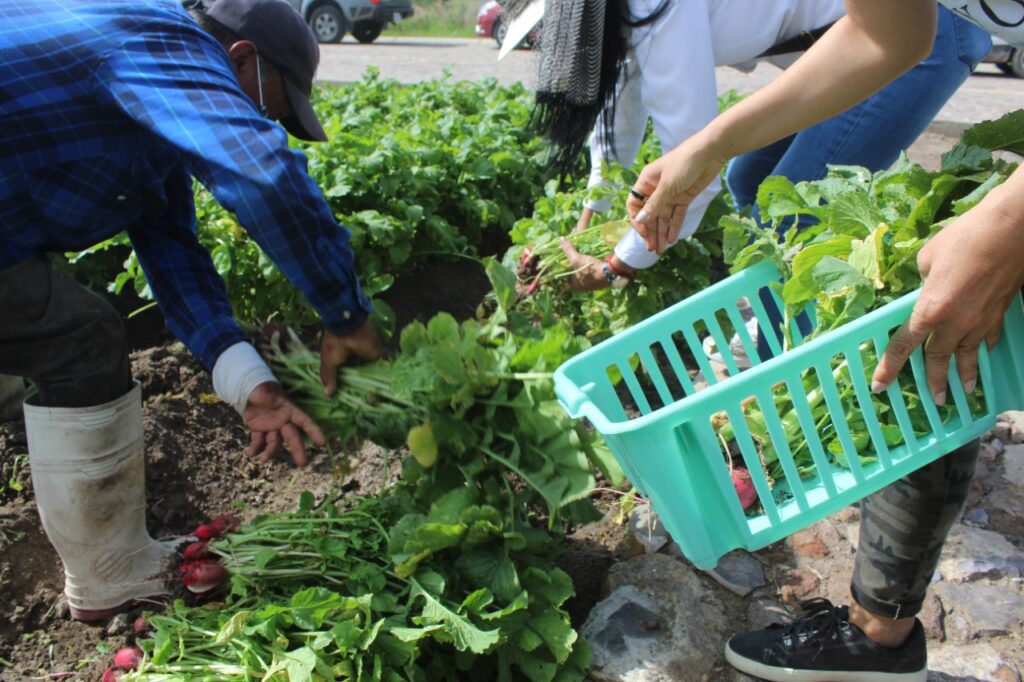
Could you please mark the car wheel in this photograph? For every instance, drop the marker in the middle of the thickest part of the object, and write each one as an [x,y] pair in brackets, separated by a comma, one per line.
[328,23]
[499,31]
[367,31]
[1017,63]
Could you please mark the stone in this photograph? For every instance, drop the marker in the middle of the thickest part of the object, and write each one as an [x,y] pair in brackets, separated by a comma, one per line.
[118,625]
[974,553]
[849,514]
[1002,431]
[1016,434]
[660,623]
[980,610]
[797,585]
[806,543]
[739,572]
[976,517]
[957,662]
[1013,465]
[998,446]
[647,529]
[764,612]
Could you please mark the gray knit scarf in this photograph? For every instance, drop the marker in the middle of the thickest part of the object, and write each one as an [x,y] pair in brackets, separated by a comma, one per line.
[579,66]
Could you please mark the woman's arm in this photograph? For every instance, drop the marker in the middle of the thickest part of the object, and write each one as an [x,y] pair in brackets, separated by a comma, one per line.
[876,42]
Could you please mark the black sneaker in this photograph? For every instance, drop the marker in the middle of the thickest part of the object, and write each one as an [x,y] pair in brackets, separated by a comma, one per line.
[824,646]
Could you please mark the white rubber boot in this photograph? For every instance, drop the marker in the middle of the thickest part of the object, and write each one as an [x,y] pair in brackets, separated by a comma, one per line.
[87,473]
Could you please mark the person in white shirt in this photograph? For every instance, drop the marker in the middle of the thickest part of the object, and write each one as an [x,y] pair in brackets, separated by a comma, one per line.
[972,271]
[669,78]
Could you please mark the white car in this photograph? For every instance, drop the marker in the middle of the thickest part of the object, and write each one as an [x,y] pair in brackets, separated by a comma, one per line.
[1008,58]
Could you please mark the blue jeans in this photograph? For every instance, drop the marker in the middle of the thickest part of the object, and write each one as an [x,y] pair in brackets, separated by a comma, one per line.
[873,133]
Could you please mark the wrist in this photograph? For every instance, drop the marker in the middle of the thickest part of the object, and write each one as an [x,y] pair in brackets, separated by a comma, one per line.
[618,266]
[614,279]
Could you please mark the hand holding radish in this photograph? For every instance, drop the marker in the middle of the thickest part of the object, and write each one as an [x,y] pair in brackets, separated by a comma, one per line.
[274,420]
[336,350]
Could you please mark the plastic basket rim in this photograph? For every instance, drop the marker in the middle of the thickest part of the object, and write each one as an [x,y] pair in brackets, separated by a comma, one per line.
[588,408]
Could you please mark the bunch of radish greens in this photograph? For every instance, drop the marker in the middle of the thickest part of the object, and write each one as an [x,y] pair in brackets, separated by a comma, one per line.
[446,575]
[858,253]
[316,595]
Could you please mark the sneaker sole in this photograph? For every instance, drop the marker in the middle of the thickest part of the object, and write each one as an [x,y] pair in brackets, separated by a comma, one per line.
[774,674]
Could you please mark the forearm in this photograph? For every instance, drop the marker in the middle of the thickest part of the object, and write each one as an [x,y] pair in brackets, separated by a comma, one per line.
[875,43]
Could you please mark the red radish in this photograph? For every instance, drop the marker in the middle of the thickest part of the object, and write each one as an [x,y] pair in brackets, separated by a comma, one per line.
[526,256]
[225,523]
[205,532]
[140,626]
[744,487]
[128,658]
[204,575]
[196,550]
[112,675]
[184,566]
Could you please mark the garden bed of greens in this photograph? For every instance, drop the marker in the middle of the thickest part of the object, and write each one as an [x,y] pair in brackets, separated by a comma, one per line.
[447,532]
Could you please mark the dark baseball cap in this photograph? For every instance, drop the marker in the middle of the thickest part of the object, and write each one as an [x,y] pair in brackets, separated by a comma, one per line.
[282,37]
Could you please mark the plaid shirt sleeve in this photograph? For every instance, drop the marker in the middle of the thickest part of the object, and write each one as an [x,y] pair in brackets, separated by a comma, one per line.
[181,88]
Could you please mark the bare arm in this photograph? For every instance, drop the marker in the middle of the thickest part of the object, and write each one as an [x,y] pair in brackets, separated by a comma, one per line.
[875,43]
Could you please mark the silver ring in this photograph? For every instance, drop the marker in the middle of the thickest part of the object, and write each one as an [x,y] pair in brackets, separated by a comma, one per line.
[636,195]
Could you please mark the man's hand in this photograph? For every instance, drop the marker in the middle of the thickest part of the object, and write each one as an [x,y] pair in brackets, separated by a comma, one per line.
[972,271]
[274,419]
[336,350]
[669,185]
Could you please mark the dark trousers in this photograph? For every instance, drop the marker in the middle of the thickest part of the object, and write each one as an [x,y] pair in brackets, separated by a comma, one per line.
[69,341]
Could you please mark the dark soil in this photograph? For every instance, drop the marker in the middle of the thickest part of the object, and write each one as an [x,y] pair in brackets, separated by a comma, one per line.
[196,468]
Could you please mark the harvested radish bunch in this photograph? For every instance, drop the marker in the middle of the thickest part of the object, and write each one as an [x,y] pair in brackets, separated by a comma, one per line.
[203,575]
[546,262]
[128,658]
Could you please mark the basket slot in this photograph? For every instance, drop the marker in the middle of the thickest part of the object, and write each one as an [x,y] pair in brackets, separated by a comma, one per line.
[711,448]
[635,389]
[676,361]
[839,423]
[860,386]
[898,405]
[771,419]
[749,346]
[753,461]
[810,433]
[654,372]
[927,401]
[764,324]
[722,343]
[959,395]
[698,354]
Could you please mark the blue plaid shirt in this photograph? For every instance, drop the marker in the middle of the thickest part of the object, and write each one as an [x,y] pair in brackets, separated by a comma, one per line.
[107,110]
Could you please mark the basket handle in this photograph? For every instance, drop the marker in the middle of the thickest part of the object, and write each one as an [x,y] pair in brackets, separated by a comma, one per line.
[572,398]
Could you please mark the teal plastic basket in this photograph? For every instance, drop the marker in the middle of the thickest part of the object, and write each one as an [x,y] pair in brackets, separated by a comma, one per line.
[636,390]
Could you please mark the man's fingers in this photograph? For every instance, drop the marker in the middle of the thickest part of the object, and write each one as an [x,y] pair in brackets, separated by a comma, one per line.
[570,251]
[908,337]
[256,441]
[676,222]
[329,369]
[272,446]
[309,426]
[293,441]
[938,349]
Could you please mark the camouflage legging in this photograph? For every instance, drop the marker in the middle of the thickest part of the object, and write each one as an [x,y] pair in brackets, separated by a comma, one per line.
[902,530]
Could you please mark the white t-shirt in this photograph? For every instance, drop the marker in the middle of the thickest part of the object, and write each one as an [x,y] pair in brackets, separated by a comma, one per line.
[1001,18]
[672,79]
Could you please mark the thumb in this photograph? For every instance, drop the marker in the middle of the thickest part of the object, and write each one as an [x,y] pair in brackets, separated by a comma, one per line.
[332,356]
[570,251]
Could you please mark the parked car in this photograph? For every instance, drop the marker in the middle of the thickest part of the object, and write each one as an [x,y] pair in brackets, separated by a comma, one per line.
[1009,59]
[489,23]
[364,19]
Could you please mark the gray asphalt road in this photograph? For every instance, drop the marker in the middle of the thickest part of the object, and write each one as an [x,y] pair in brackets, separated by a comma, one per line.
[987,94]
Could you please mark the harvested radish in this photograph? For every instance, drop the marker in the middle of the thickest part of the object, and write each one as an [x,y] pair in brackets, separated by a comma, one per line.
[141,626]
[206,531]
[196,550]
[744,487]
[128,658]
[112,675]
[225,523]
[204,575]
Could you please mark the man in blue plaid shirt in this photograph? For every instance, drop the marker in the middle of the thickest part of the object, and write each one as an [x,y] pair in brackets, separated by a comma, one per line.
[108,109]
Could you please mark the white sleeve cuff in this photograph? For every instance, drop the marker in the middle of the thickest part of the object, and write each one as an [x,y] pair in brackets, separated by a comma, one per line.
[237,372]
